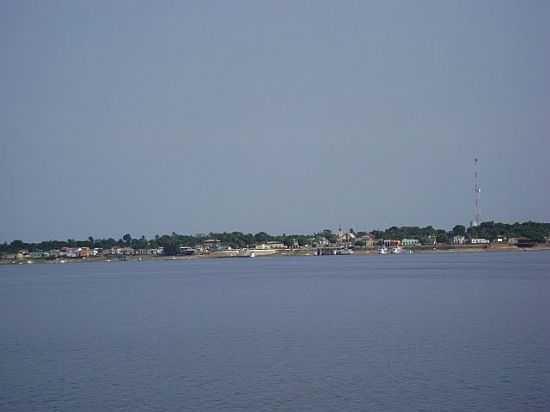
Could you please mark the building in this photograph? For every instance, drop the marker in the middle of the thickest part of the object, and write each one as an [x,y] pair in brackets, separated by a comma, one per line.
[271,245]
[120,251]
[84,252]
[345,237]
[321,241]
[186,251]
[275,245]
[410,242]
[459,240]
[524,242]
[390,243]
[479,241]
[210,245]
[368,241]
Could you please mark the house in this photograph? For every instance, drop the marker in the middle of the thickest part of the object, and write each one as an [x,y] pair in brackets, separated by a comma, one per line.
[390,243]
[69,252]
[211,245]
[459,240]
[275,245]
[368,240]
[120,251]
[345,238]
[186,251]
[524,242]
[321,241]
[410,242]
[479,241]
[84,252]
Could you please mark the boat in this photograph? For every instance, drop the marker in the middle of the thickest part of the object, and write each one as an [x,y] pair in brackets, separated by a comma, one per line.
[383,250]
[397,250]
[247,253]
[345,251]
[186,251]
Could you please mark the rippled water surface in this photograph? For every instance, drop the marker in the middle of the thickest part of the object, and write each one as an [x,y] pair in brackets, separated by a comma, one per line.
[448,332]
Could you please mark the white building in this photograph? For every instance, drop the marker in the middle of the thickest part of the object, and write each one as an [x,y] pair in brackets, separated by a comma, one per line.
[459,240]
[479,241]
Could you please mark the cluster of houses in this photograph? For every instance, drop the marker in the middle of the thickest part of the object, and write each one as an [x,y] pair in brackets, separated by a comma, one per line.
[82,253]
[208,246]
[340,239]
[349,239]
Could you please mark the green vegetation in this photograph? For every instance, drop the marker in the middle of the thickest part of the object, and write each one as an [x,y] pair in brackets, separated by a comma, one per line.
[171,243]
[529,230]
[425,234]
[486,230]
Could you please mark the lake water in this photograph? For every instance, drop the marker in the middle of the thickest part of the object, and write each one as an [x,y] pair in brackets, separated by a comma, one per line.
[439,332]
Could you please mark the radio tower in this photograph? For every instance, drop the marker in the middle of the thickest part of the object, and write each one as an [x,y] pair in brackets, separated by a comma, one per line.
[477,194]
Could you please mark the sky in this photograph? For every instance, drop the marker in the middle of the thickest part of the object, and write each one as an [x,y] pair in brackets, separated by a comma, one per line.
[149,117]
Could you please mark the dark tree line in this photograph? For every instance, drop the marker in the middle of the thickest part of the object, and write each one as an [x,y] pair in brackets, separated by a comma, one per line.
[488,230]
[529,230]
[425,234]
[171,243]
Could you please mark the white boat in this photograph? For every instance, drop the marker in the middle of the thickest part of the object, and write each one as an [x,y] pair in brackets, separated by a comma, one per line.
[397,250]
[245,253]
[344,251]
[383,250]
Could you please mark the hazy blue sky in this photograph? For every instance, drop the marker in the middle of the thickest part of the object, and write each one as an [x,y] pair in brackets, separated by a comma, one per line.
[283,116]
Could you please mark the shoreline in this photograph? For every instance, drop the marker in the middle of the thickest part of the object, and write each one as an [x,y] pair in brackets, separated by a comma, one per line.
[273,253]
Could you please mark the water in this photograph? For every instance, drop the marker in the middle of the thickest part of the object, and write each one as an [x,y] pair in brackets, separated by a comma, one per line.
[447,332]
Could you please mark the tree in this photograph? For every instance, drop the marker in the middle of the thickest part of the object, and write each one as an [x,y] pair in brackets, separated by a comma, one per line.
[261,237]
[127,238]
[16,245]
[171,249]
[459,230]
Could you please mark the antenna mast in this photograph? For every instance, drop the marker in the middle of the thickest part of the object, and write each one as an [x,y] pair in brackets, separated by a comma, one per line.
[477,194]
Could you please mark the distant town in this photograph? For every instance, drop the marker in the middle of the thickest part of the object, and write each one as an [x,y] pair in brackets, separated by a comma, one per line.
[394,240]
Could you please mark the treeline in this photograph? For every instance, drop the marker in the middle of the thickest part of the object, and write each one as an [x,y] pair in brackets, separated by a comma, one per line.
[529,230]
[488,230]
[425,234]
[235,240]
[169,242]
